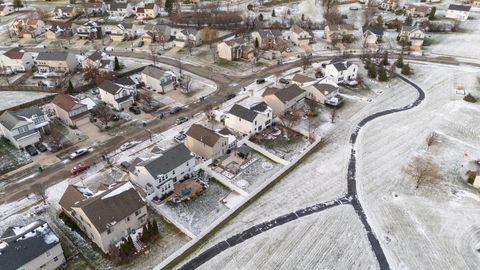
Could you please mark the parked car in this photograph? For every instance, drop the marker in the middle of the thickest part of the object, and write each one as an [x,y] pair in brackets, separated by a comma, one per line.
[135,110]
[41,147]
[181,120]
[79,168]
[31,150]
[230,96]
[260,81]
[478,162]
[175,110]
[128,145]
[78,153]
[180,137]
[284,81]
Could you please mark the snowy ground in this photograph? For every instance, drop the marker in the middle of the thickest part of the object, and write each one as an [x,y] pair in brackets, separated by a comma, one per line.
[10,99]
[256,174]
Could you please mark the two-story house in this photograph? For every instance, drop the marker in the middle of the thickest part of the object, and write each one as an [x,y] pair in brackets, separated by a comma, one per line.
[116,95]
[108,215]
[417,10]
[458,12]
[205,142]
[147,12]
[325,91]
[33,246]
[341,70]
[299,36]
[15,60]
[159,175]
[372,36]
[269,39]
[120,10]
[98,60]
[89,30]
[285,99]
[28,28]
[118,32]
[156,33]
[389,5]
[70,110]
[338,32]
[234,49]
[56,29]
[249,121]
[23,127]
[65,11]
[158,79]
[56,62]
[95,9]
[6,10]
[411,36]
[186,37]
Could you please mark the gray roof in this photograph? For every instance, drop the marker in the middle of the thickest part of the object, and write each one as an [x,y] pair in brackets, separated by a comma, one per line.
[95,56]
[340,64]
[117,6]
[376,29]
[169,160]
[109,87]
[67,9]
[325,88]
[243,112]
[189,31]
[126,81]
[459,7]
[52,56]
[154,72]
[23,244]
[289,93]
[260,107]
[9,120]
[111,206]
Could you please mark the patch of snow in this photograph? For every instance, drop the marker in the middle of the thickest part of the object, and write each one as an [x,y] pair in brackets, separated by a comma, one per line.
[125,187]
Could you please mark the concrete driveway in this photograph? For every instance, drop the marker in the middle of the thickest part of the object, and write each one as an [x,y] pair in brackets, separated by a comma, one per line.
[92,131]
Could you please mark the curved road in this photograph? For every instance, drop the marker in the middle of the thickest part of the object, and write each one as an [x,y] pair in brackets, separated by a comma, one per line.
[350,198]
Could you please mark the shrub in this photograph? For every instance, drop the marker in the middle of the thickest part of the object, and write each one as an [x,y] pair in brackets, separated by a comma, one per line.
[406,70]
[372,71]
[470,98]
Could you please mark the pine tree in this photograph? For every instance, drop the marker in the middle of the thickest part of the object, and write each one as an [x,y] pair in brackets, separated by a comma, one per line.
[382,74]
[116,66]
[409,20]
[154,227]
[260,17]
[367,63]
[399,62]
[372,71]
[406,70]
[257,44]
[431,16]
[145,233]
[17,4]
[385,59]
[169,6]
[273,13]
[70,88]
[131,246]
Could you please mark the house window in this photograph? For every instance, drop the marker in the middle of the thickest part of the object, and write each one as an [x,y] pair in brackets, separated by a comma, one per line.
[173,172]
[109,230]
[138,212]
[128,219]
[55,259]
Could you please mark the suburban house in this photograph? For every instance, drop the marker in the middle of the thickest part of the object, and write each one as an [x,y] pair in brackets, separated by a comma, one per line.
[65,11]
[301,80]
[389,5]
[412,36]
[98,60]
[148,37]
[158,79]
[56,62]
[458,12]
[6,10]
[116,95]
[372,36]
[187,36]
[108,215]
[28,28]
[161,33]
[120,10]
[283,100]
[326,91]
[337,33]
[118,33]
[89,30]
[56,29]
[15,60]
[70,110]
[33,246]
[23,127]
[418,10]
[234,49]
[149,11]
[205,142]
[95,9]
[249,120]
[476,181]
[159,175]
[299,36]
[341,70]
[270,39]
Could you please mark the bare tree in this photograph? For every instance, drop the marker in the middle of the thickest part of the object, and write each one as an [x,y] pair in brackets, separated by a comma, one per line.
[147,97]
[312,107]
[55,139]
[333,115]
[422,170]
[103,113]
[213,50]
[431,139]
[153,50]
[39,189]
[370,11]
[187,84]
[290,118]
[41,14]
[306,61]
[330,12]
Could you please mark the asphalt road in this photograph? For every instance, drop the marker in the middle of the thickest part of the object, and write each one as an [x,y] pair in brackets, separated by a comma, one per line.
[350,198]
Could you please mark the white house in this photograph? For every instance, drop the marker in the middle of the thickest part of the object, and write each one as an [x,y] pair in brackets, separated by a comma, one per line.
[23,127]
[56,62]
[65,11]
[159,175]
[120,10]
[6,10]
[413,36]
[325,91]
[341,70]
[191,36]
[33,246]
[299,36]
[158,79]
[116,95]
[147,12]
[249,120]
[15,60]
[458,12]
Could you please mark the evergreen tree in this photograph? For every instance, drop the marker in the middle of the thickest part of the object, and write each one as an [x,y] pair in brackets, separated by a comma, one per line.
[406,70]
[380,20]
[145,233]
[131,246]
[17,4]
[399,62]
[70,88]
[154,227]
[409,20]
[431,16]
[273,13]
[169,6]
[382,74]
[385,59]
[257,44]
[116,66]
[260,17]
[372,71]
[367,63]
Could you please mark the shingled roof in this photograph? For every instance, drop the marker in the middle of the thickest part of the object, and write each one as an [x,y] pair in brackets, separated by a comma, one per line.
[168,161]
[66,102]
[288,93]
[14,53]
[243,113]
[203,134]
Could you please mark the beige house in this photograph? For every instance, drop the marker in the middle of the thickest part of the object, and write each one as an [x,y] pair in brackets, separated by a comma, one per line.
[108,215]
[283,100]
[412,36]
[338,32]
[65,11]
[476,181]
[389,4]
[70,110]
[269,39]
[6,10]
[372,36]
[326,91]
[418,10]
[56,62]
[33,246]
[15,60]
[302,80]
[206,142]
[149,11]
[118,33]
[234,49]
[158,79]
[28,28]
[299,36]
[458,12]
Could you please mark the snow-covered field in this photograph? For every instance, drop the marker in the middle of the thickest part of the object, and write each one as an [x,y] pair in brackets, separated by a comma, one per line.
[10,99]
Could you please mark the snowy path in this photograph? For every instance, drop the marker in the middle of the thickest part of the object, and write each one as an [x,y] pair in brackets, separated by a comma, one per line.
[349,198]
